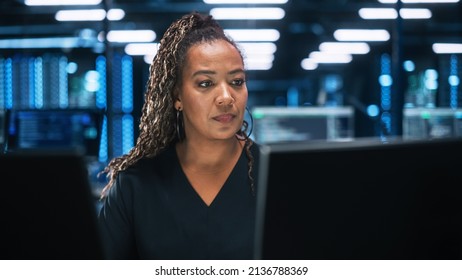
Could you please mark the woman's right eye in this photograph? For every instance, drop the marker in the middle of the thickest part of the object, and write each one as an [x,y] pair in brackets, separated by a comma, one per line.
[205,83]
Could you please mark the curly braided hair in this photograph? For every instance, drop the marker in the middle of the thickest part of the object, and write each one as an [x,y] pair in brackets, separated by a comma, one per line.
[157,128]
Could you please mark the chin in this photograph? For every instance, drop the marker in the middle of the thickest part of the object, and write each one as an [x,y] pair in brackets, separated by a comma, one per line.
[226,136]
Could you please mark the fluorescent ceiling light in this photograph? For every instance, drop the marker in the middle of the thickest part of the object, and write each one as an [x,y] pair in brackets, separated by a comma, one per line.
[257,48]
[344,47]
[45,43]
[240,35]
[245,1]
[415,13]
[365,35]
[390,13]
[442,48]
[141,48]
[81,15]
[256,65]
[378,13]
[418,1]
[61,2]
[247,13]
[308,64]
[260,58]
[115,14]
[89,15]
[323,57]
[148,58]
[125,36]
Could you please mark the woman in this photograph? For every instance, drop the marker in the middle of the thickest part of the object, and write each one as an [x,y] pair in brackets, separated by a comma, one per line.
[187,188]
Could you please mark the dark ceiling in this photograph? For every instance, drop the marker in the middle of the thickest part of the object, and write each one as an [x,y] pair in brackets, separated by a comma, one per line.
[306,24]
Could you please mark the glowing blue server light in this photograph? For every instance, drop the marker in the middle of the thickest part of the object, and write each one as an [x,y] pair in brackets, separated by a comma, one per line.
[122,105]
[8,83]
[63,83]
[385,81]
[127,84]
[453,81]
[31,83]
[127,133]
[103,145]
[127,103]
[38,82]
[101,103]
[102,91]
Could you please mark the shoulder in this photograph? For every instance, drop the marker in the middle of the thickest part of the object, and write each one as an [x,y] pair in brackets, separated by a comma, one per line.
[149,164]
[146,173]
[149,169]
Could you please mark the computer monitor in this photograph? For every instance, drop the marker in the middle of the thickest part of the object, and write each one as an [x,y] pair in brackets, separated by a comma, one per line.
[363,199]
[272,124]
[55,129]
[47,210]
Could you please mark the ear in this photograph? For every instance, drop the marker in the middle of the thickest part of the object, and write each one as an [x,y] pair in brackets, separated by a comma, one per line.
[176,95]
[178,105]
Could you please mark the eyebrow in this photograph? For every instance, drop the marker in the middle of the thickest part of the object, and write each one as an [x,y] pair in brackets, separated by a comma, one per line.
[210,72]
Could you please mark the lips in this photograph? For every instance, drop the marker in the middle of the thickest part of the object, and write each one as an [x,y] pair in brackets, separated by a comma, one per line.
[224,118]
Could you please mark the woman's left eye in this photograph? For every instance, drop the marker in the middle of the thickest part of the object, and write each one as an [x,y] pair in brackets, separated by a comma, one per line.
[238,82]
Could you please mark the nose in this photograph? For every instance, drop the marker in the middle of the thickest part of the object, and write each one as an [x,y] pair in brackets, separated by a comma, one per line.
[225,97]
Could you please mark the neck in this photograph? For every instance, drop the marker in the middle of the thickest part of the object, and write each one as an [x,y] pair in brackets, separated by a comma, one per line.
[211,157]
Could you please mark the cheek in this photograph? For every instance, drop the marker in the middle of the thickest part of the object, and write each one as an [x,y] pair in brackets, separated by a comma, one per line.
[242,100]
[196,107]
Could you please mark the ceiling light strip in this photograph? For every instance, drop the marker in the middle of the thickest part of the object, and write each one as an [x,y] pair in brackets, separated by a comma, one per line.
[390,13]
[417,1]
[141,48]
[89,15]
[247,13]
[245,1]
[255,35]
[364,35]
[345,47]
[129,36]
[447,48]
[61,2]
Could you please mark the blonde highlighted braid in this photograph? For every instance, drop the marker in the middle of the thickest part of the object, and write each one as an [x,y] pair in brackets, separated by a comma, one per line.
[157,129]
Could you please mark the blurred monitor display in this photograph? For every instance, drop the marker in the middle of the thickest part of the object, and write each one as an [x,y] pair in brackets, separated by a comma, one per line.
[430,123]
[293,124]
[55,129]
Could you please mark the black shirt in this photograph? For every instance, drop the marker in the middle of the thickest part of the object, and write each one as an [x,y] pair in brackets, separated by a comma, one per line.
[153,212]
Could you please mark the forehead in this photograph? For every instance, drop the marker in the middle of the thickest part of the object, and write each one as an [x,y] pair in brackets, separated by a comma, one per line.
[219,51]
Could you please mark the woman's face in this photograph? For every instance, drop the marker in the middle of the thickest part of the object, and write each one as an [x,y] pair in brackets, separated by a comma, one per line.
[213,93]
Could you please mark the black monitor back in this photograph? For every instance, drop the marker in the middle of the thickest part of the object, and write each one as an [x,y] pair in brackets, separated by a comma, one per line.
[364,199]
[47,210]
